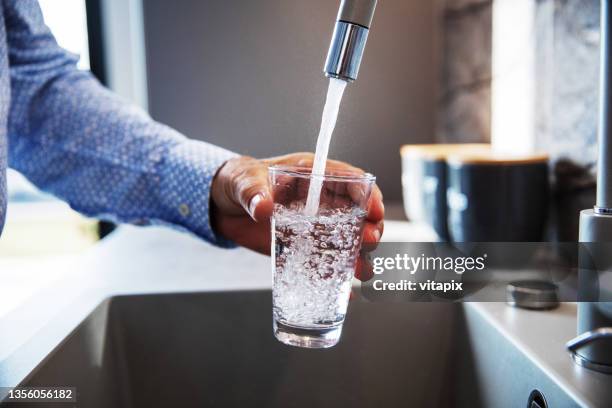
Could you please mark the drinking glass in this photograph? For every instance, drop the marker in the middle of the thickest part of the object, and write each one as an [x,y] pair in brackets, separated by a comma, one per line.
[314,255]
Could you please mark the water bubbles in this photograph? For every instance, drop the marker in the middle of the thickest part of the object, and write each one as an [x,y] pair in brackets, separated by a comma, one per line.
[315,262]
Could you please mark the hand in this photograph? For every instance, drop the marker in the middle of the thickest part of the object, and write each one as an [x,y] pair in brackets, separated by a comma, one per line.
[241,201]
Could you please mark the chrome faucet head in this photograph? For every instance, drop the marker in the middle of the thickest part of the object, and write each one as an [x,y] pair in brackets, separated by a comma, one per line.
[349,39]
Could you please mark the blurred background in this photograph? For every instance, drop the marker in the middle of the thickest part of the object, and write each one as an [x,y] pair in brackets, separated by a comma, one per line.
[248,76]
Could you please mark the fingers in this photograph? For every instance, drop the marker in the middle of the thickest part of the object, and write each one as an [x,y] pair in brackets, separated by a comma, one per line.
[261,207]
[248,187]
[307,160]
[376,208]
[293,159]
[253,195]
[372,233]
[363,268]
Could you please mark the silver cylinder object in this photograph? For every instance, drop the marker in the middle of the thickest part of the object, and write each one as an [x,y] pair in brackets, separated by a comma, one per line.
[349,39]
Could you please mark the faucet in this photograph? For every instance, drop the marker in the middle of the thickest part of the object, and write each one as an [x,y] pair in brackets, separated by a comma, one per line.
[592,348]
[349,39]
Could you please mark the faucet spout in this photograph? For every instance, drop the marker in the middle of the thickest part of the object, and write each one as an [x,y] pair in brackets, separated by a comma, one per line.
[349,39]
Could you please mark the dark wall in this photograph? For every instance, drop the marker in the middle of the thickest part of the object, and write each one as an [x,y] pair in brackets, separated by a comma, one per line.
[247,75]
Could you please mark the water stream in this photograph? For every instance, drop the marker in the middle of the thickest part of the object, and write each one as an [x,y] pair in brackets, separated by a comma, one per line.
[328,123]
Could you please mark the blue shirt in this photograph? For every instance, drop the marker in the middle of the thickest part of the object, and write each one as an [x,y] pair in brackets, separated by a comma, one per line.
[75,139]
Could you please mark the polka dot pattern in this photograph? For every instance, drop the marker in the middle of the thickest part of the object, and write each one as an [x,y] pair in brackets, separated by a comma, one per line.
[75,139]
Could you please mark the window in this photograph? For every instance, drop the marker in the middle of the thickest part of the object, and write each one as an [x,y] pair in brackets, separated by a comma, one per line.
[38,224]
[67,19]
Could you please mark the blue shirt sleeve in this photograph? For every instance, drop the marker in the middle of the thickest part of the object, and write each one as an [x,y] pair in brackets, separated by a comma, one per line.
[72,137]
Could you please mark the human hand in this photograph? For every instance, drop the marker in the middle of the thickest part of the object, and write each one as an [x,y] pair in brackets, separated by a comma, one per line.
[241,201]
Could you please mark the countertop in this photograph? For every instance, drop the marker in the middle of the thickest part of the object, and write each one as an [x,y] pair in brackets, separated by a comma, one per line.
[155,260]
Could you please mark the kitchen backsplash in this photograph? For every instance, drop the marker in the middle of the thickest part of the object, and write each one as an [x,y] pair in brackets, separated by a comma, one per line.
[568,74]
[465,93]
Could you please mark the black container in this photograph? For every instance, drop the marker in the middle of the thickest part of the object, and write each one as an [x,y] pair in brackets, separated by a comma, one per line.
[497,199]
[424,181]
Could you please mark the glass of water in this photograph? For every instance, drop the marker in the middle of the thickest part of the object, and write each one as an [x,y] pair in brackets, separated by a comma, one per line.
[314,253]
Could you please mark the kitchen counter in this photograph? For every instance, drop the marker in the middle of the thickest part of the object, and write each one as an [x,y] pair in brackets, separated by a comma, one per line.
[155,260]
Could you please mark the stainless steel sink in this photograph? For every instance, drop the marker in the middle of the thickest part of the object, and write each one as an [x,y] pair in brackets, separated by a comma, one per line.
[217,349]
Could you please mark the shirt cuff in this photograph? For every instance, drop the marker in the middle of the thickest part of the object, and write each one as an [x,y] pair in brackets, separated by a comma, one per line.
[186,180]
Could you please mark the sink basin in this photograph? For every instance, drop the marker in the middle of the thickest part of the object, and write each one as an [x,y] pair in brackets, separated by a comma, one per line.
[217,349]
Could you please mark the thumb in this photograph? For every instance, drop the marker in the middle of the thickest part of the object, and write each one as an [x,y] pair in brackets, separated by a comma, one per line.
[261,206]
[253,194]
